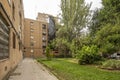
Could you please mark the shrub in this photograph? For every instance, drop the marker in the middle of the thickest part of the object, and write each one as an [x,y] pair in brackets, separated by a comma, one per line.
[88,55]
[48,53]
[108,48]
[111,64]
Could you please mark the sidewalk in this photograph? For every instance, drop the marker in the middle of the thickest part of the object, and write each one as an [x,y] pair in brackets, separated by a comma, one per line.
[29,69]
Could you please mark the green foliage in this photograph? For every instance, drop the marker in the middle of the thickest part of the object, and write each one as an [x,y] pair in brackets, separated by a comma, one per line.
[88,55]
[111,11]
[111,64]
[48,53]
[74,17]
[108,39]
[108,48]
[63,46]
[105,27]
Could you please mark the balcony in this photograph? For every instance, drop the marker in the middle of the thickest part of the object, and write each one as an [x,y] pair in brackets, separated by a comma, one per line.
[44,33]
[44,46]
[44,39]
[43,26]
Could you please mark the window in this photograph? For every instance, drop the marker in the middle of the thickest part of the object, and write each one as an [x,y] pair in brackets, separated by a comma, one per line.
[4,38]
[31,37]
[9,1]
[44,38]
[14,41]
[31,44]
[31,51]
[20,16]
[13,11]
[20,1]
[31,23]
[31,29]
[44,33]
[44,45]
[20,46]
[43,26]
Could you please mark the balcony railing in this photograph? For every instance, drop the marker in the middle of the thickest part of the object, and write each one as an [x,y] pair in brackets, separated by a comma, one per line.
[44,33]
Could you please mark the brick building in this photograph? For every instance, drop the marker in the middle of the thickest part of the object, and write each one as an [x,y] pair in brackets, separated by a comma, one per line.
[51,20]
[11,35]
[37,34]
[21,37]
[36,38]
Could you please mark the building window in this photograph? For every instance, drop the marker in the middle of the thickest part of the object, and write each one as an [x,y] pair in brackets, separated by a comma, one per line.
[31,23]
[32,30]
[20,16]
[9,1]
[44,33]
[13,11]
[31,51]
[20,1]
[20,46]
[44,38]
[44,45]
[32,44]
[43,26]
[4,38]
[31,37]
[14,41]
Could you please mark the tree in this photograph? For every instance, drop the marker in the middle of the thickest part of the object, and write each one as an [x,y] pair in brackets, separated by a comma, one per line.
[111,11]
[75,14]
[105,29]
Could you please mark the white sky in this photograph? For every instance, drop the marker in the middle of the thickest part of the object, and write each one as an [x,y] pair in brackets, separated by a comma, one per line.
[32,7]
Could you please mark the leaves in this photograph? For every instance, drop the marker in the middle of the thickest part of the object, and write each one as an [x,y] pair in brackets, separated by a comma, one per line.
[74,17]
[105,29]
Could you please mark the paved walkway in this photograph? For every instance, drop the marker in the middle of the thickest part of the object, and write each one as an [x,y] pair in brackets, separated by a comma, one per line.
[29,69]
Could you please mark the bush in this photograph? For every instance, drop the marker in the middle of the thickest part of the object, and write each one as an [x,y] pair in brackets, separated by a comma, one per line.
[88,55]
[111,64]
[49,55]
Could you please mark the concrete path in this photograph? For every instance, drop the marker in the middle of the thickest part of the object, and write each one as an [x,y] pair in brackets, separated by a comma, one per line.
[29,69]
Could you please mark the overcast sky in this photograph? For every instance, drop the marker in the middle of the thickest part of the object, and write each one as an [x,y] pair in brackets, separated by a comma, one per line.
[32,7]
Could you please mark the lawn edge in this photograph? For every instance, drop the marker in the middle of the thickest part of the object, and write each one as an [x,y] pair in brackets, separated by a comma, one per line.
[50,70]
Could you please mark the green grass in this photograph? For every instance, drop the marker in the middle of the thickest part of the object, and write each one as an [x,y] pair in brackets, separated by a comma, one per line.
[67,70]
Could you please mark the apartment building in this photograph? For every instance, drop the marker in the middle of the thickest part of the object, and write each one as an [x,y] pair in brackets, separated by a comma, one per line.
[36,38]
[51,20]
[11,35]
[37,34]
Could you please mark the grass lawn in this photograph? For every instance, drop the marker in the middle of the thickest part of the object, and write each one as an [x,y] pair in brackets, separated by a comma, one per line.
[65,69]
